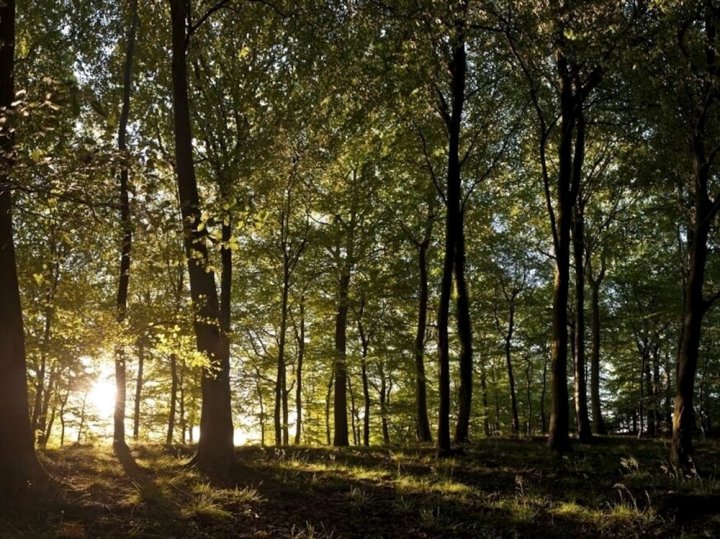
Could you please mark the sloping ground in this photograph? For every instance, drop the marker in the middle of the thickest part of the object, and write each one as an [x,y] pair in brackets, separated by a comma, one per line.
[499,488]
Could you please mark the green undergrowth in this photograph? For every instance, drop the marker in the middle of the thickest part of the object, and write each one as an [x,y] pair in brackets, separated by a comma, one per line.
[616,487]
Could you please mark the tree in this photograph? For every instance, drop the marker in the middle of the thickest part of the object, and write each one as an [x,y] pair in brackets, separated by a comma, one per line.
[215,454]
[126,226]
[20,469]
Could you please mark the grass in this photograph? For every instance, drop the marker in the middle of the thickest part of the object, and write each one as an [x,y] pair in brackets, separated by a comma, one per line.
[617,487]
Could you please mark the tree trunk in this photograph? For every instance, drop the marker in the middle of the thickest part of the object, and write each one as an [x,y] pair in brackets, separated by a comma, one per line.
[421,415]
[508,361]
[138,388]
[327,407]
[20,469]
[598,424]
[705,210]
[299,372]
[570,161]
[684,414]
[215,453]
[484,395]
[340,434]
[181,403]
[581,409]
[354,416]
[120,397]
[173,399]
[280,381]
[365,346]
[40,407]
[126,225]
[464,326]
[384,394]
[453,225]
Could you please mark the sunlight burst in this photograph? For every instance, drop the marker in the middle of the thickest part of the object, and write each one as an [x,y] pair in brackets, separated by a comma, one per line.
[102,397]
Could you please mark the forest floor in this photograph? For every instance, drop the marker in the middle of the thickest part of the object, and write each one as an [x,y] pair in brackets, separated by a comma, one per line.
[617,487]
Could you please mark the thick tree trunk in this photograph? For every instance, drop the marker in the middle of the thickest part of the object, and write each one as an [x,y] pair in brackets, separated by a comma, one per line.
[20,470]
[340,422]
[581,410]
[695,308]
[453,226]
[299,373]
[571,154]
[173,399]
[215,448]
[421,415]
[558,433]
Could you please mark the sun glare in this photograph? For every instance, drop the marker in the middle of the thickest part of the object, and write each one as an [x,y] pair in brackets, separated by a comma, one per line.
[102,397]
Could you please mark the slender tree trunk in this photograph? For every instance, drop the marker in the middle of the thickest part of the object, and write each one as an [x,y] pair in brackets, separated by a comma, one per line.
[40,411]
[126,225]
[528,380]
[384,394]
[215,454]
[421,414]
[280,381]
[366,398]
[173,398]
[82,418]
[598,424]
[138,388]
[340,434]
[651,424]
[484,395]
[365,346]
[181,403]
[20,469]
[353,414]
[328,432]
[508,335]
[543,416]
[462,306]
[299,373]
[581,409]
[44,426]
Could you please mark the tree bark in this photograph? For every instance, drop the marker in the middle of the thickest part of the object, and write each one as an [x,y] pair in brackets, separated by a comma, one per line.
[340,422]
[464,326]
[20,470]
[299,373]
[581,410]
[598,423]
[215,453]
[126,226]
[280,381]
[39,414]
[453,225]
[173,398]
[138,388]
[421,414]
